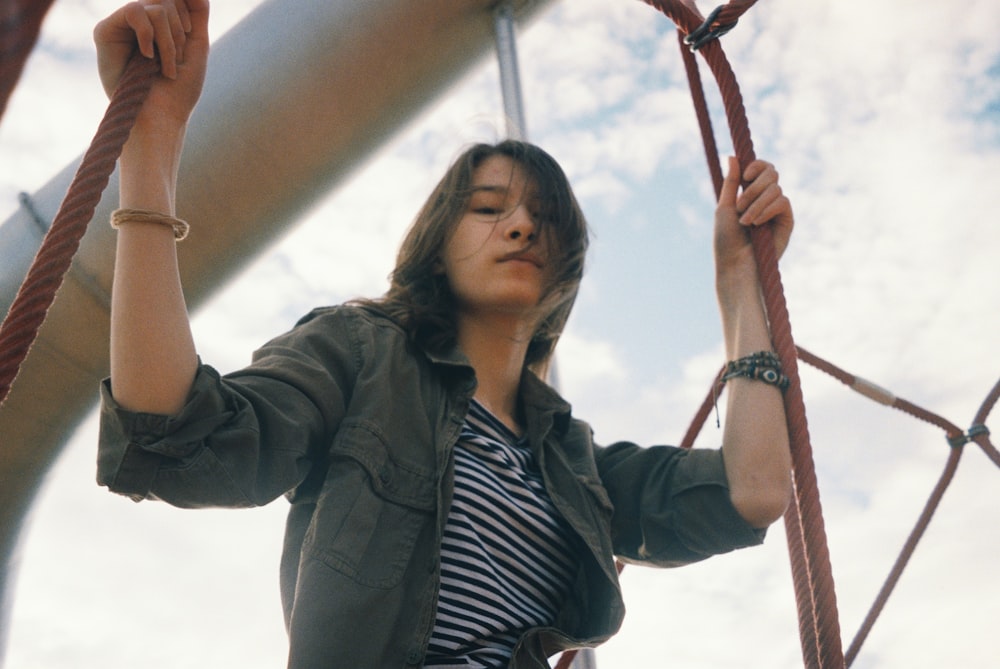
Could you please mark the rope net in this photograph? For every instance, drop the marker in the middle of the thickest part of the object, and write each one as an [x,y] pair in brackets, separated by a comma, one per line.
[812,576]
[819,626]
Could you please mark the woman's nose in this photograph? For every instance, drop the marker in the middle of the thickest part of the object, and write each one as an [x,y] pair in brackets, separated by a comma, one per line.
[521,224]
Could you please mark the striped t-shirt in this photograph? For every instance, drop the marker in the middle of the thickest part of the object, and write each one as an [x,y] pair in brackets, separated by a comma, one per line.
[507,558]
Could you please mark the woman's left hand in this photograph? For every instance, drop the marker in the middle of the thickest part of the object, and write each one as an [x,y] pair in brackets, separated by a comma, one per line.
[762,201]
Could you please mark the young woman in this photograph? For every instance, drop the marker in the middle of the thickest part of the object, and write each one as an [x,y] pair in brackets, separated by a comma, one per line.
[444,501]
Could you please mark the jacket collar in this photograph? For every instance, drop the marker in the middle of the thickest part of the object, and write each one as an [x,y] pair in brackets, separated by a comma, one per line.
[452,357]
[537,397]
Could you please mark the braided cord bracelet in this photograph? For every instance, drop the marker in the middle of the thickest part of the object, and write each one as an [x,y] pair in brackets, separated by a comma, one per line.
[122,216]
[760,366]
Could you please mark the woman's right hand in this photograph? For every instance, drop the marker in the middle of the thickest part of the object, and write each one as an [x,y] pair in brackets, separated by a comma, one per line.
[175,29]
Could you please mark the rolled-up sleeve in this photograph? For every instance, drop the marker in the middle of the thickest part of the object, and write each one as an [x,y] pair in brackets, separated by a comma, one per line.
[672,505]
[242,439]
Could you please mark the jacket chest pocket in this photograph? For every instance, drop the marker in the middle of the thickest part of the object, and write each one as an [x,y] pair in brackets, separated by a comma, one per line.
[371,510]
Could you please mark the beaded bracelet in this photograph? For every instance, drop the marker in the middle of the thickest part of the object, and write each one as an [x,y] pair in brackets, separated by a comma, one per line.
[121,216]
[761,366]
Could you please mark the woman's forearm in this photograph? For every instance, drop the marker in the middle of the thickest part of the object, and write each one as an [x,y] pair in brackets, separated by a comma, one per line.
[755,437]
[153,358]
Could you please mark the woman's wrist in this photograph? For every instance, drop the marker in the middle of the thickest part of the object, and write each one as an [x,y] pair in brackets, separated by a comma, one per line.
[149,163]
[741,306]
[736,284]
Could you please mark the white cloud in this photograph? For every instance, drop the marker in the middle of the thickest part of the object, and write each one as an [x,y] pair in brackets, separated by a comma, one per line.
[586,363]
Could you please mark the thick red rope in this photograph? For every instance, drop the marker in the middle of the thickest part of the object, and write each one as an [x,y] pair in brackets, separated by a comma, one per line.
[701,113]
[38,291]
[811,570]
[978,434]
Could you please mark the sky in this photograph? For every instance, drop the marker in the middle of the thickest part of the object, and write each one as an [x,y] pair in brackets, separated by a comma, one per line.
[884,122]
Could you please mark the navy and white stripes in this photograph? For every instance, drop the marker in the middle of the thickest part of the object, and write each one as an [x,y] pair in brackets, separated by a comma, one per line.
[507,557]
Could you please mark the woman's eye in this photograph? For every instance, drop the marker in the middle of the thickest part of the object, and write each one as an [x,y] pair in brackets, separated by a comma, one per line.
[487,211]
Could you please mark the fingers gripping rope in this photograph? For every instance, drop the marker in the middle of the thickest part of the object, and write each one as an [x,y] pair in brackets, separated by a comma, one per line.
[38,291]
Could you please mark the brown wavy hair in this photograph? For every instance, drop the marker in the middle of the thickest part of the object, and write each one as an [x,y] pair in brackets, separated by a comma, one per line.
[419,297]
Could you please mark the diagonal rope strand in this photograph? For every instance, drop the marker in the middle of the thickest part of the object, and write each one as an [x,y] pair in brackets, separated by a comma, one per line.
[905,554]
[38,291]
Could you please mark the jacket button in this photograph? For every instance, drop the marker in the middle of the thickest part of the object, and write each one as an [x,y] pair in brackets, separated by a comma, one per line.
[414,657]
[384,476]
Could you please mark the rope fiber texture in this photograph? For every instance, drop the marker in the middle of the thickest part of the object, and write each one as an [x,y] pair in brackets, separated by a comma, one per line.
[38,291]
[826,653]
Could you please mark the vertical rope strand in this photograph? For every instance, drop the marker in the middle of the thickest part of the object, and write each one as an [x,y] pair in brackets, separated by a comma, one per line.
[814,577]
[701,112]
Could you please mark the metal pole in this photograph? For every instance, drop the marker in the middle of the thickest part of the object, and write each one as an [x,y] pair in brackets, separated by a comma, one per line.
[584,660]
[510,79]
[513,106]
[513,100]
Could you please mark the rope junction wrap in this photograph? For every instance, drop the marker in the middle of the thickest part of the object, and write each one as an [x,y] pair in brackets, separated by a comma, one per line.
[809,556]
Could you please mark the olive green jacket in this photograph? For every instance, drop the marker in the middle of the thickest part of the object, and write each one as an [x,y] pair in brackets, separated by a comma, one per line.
[356,427]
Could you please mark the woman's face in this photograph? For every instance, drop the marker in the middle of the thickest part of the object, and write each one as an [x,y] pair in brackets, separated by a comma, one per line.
[497,259]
